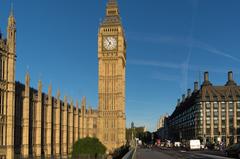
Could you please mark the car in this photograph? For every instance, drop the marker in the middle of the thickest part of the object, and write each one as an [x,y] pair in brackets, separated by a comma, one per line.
[193,145]
[177,144]
[202,147]
[168,144]
[233,150]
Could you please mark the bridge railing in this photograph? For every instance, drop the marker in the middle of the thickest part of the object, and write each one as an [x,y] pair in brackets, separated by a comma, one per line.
[132,153]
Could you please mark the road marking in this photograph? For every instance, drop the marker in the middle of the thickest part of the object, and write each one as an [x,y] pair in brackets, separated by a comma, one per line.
[214,156]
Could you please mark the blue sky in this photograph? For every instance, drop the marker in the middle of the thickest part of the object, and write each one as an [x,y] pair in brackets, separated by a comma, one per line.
[169,43]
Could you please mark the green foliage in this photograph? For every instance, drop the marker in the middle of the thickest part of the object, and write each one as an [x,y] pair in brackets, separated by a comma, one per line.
[88,146]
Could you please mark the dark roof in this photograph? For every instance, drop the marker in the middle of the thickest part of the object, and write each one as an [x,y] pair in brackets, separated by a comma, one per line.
[229,92]
[186,104]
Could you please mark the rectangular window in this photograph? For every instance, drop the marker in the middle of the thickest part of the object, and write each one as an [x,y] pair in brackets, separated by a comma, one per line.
[208,105]
[223,131]
[216,131]
[230,105]
[215,114]
[208,114]
[223,105]
[208,131]
[223,114]
[238,123]
[238,105]
[223,123]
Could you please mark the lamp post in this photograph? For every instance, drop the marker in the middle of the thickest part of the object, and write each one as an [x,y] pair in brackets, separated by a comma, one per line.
[204,139]
[133,135]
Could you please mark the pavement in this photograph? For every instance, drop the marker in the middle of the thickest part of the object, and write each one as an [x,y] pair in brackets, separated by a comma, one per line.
[157,153]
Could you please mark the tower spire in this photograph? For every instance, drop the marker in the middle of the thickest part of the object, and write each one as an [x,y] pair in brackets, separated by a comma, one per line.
[12,10]
[112,8]
[112,2]
[11,32]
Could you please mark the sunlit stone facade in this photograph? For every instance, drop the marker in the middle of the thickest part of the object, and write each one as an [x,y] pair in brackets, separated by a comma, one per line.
[37,124]
[47,126]
[7,89]
[111,85]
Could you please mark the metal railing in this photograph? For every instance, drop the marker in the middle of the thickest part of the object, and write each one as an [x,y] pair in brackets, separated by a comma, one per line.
[132,153]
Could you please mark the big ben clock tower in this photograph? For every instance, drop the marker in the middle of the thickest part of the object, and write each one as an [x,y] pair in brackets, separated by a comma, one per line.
[111,84]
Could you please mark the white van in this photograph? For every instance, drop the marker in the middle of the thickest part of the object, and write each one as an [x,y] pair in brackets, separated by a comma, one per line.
[177,144]
[194,145]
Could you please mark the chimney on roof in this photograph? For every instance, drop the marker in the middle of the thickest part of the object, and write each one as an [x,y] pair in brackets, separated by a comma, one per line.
[195,86]
[230,76]
[230,79]
[183,97]
[206,76]
[189,92]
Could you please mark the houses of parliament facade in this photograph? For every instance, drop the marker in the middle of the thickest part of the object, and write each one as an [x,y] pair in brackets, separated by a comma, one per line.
[34,124]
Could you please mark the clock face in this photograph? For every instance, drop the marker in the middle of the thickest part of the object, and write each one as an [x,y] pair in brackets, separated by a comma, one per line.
[110,43]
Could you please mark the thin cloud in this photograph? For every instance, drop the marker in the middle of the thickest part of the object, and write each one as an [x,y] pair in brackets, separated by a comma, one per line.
[178,66]
[215,51]
[187,42]
[154,63]
[185,68]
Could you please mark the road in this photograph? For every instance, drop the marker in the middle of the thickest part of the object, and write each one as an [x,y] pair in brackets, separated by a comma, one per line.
[177,154]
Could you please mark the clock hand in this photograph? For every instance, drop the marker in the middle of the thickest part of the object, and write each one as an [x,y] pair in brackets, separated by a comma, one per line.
[109,43]
[108,40]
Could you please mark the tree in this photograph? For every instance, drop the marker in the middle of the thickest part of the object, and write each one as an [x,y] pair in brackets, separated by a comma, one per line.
[88,146]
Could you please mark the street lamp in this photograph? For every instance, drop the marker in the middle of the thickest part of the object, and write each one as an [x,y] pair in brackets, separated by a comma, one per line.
[204,139]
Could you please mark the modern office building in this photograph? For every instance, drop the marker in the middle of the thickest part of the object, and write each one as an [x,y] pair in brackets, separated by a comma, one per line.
[211,113]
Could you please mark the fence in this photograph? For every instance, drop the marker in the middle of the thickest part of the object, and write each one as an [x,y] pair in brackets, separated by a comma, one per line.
[131,154]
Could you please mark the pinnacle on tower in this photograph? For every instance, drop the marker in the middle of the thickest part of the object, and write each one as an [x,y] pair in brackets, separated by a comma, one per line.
[58,94]
[84,101]
[39,85]
[11,10]
[11,19]
[50,90]
[77,105]
[65,101]
[27,78]
[112,3]
[11,33]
